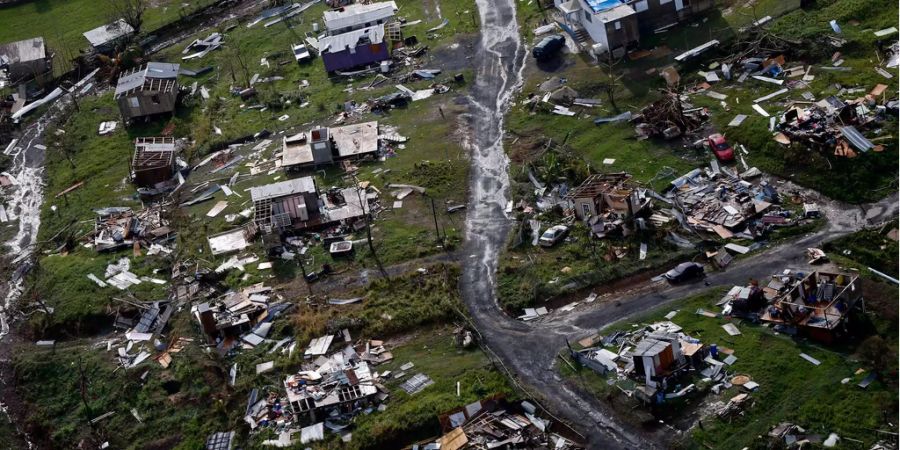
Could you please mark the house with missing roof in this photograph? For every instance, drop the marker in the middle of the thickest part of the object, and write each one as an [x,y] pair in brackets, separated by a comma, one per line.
[297,204]
[616,25]
[323,146]
[148,90]
[355,35]
[153,161]
[23,60]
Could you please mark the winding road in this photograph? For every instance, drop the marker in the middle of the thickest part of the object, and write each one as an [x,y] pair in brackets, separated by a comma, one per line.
[529,350]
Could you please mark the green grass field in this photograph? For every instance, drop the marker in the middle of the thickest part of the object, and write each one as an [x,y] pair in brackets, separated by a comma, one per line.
[62,22]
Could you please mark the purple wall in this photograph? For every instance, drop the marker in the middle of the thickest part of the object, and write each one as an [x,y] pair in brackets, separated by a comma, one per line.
[365,54]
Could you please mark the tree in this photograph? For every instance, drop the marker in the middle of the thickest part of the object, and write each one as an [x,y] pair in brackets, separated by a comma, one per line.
[131,11]
[611,81]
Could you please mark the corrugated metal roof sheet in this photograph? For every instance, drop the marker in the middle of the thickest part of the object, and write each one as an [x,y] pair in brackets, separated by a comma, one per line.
[280,189]
[358,15]
[857,139]
[153,70]
[340,42]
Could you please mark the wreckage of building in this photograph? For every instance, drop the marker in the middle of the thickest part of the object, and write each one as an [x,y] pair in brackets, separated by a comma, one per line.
[495,423]
[121,227]
[240,318]
[817,304]
[608,200]
[153,161]
[148,90]
[719,201]
[297,204]
[658,356]
[24,60]
[323,146]
[356,35]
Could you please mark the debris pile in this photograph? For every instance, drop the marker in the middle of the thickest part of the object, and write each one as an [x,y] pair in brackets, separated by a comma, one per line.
[833,125]
[720,201]
[669,117]
[493,423]
[326,393]
[662,359]
[116,228]
[239,319]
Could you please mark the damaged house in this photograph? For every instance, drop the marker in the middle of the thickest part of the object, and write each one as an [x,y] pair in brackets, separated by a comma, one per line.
[608,201]
[291,204]
[816,304]
[658,356]
[238,317]
[148,90]
[355,35]
[153,161]
[296,204]
[322,146]
[24,60]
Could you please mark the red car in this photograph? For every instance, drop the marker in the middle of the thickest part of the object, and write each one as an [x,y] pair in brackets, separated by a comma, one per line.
[720,147]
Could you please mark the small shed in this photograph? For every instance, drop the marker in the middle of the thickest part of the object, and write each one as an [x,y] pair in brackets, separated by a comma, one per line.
[105,38]
[148,90]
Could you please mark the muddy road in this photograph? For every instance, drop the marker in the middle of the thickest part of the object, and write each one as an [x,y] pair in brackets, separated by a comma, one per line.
[528,352]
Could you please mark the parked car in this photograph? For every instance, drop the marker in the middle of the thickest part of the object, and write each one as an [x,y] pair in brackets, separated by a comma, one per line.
[720,147]
[301,53]
[684,271]
[553,235]
[548,47]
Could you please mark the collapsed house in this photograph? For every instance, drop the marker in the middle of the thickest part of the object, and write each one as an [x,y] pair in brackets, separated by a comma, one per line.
[816,304]
[296,204]
[239,318]
[322,146]
[105,38]
[355,35]
[494,423]
[153,161]
[719,201]
[832,124]
[658,356]
[148,90]
[120,227]
[23,60]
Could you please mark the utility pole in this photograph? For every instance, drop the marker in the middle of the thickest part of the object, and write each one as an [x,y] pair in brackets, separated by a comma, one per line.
[368,228]
[437,230]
